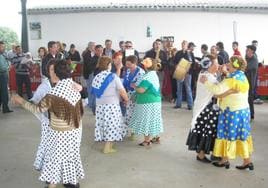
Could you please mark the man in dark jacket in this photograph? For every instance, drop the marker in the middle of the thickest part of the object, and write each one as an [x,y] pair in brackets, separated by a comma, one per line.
[52,54]
[223,57]
[251,73]
[108,51]
[187,54]
[89,69]
[129,48]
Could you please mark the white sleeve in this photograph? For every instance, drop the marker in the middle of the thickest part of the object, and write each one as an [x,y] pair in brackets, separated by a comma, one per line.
[41,92]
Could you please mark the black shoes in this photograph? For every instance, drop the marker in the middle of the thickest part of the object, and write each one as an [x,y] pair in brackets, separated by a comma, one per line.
[7,111]
[225,164]
[145,143]
[204,160]
[71,185]
[214,158]
[176,107]
[250,166]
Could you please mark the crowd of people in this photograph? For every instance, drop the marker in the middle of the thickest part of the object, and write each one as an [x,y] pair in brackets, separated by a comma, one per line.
[125,94]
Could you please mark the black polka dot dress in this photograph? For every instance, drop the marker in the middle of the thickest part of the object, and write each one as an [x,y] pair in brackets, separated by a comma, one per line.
[62,162]
[203,135]
[109,123]
[40,154]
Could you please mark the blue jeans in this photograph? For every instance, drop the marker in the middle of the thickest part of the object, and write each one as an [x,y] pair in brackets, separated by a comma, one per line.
[187,83]
[91,97]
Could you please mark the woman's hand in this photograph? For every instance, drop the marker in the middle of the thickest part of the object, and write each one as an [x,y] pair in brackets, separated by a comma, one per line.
[223,69]
[118,66]
[203,79]
[16,99]
[133,85]
[77,87]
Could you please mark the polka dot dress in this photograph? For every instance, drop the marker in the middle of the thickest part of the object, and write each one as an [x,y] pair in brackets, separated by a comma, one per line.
[234,125]
[130,109]
[109,123]
[203,135]
[62,162]
[147,119]
[40,154]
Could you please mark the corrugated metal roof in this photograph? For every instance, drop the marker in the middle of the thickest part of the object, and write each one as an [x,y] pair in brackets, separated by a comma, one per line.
[247,6]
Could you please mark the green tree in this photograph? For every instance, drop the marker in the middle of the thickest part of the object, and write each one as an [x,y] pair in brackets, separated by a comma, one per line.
[8,36]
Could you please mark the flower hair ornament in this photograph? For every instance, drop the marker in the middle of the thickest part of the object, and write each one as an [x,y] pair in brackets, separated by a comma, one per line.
[205,63]
[236,64]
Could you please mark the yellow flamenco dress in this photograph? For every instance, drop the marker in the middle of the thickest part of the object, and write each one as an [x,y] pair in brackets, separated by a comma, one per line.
[233,131]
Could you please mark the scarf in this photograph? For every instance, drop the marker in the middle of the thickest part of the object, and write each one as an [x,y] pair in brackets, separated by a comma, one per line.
[66,102]
[129,78]
[101,82]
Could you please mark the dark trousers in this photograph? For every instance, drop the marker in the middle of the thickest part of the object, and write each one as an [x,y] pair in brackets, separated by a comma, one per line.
[24,79]
[251,76]
[4,91]
[251,102]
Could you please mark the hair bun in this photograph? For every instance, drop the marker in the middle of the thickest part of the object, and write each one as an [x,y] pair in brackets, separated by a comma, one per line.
[205,63]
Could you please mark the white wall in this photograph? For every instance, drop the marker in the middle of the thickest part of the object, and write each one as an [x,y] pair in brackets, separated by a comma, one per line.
[199,27]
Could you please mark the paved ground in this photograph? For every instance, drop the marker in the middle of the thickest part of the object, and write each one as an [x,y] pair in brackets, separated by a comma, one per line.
[168,165]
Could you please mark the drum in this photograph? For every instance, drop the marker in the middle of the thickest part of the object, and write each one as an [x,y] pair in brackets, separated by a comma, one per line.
[181,69]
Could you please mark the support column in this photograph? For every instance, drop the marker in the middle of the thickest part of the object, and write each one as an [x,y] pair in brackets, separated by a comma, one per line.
[24,27]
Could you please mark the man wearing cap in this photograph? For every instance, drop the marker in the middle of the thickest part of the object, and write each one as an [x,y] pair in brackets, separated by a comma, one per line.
[251,73]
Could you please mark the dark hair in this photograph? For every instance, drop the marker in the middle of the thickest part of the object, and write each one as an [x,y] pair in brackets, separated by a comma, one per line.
[133,59]
[50,44]
[2,42]
[121,42]
[204,47]
[103,63]
[64,44]
[158,40]
[128,41]
[62,69]
[235,43]
[18,46]
[108,40]
[50,62]
[254,41]
[220,45]
[72,46]
[98,46]
[42,48]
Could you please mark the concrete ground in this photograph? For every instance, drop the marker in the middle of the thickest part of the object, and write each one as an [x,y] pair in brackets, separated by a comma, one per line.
[168,165]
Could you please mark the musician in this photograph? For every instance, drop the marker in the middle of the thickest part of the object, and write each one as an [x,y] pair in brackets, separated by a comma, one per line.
[169,89]
[160,57]
[187,53]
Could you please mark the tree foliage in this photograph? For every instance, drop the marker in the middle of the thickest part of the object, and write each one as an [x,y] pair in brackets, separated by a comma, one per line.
[8,36]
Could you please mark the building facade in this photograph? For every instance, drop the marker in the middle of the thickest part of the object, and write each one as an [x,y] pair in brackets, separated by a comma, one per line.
[143,23]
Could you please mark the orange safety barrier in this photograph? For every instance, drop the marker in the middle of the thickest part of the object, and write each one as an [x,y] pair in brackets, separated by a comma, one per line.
[262,84]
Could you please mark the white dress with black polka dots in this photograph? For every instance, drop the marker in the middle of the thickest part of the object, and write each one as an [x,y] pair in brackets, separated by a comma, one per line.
[203,135]
[40,154]
[109,123]
[62,162]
